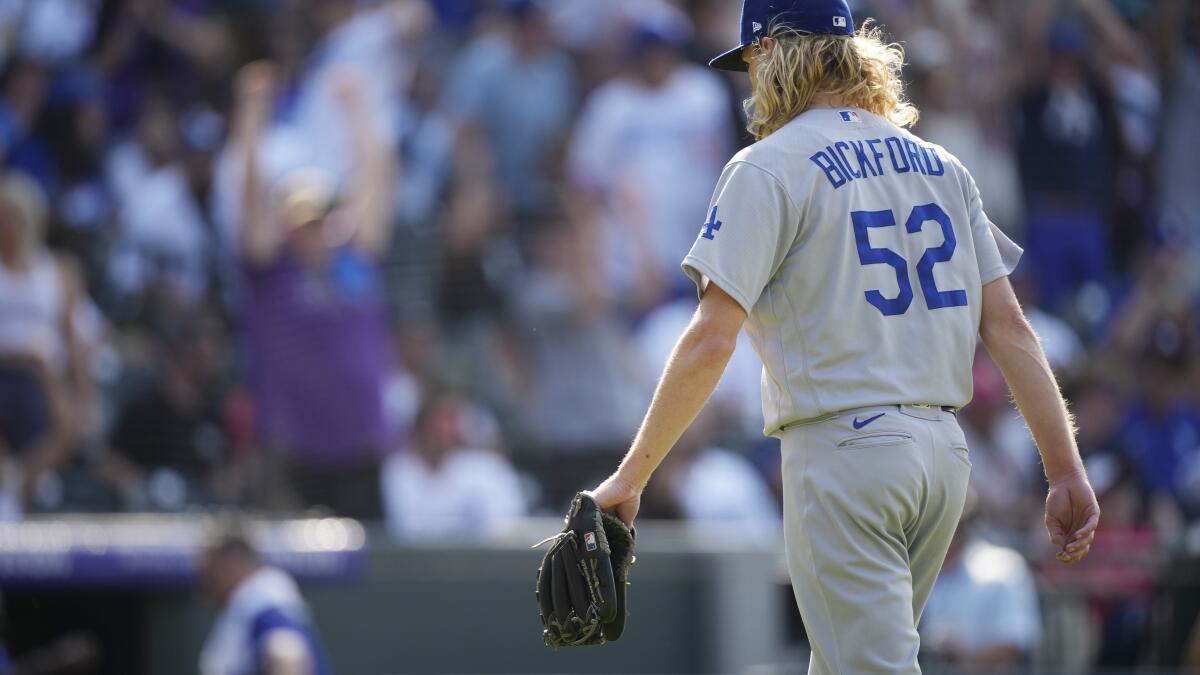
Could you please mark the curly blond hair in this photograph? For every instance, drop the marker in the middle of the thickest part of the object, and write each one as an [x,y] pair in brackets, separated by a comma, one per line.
[863,70]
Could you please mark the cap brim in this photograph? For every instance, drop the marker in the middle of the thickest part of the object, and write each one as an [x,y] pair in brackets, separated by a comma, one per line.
[730,60]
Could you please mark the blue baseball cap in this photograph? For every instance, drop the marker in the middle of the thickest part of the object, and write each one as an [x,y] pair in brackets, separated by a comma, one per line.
[831,17]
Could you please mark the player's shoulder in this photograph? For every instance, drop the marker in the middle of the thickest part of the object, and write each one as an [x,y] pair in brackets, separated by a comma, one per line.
[771,154]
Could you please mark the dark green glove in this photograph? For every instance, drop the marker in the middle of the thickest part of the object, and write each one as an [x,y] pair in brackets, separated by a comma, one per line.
[581,581]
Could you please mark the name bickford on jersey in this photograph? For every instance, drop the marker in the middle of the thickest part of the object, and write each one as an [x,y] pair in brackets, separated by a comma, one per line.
[859,253]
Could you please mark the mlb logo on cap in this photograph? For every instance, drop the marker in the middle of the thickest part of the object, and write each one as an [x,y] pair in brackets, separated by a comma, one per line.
[839,21]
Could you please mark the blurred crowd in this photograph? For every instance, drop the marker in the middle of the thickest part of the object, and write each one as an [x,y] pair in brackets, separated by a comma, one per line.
[418,260]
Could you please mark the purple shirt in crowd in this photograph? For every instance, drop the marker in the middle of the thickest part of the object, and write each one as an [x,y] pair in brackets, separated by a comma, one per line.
[318,354]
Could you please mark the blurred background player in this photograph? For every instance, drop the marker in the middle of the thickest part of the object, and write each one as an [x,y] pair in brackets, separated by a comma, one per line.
[264,626]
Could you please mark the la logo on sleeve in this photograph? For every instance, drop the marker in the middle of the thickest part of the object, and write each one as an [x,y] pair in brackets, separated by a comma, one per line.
[712,226]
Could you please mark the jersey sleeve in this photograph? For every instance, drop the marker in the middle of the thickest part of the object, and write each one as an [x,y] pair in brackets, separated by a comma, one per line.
[751,225]
[996,254]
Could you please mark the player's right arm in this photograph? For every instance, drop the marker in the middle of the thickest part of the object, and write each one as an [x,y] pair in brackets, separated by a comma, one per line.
[752,223]
[689,379]
[1072,513]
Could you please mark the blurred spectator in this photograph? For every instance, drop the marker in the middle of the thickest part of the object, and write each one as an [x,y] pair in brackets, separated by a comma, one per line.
[264,625]
[1161,428]
[649,144]
[475,264]
[163,248]
[45,384]
[583,390]
[1066,139]
[76,121]
[23,91]
[983,611]
[48,31]
[171,445]
[371,42]
[451,480]
[473,237]
[425,136]
[1180,158]
[426,144]
[518,85]
[312,309]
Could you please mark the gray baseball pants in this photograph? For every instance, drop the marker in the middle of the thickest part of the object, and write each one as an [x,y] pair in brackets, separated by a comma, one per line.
[870,508]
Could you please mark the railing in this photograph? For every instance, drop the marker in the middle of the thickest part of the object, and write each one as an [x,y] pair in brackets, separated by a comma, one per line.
[703,599]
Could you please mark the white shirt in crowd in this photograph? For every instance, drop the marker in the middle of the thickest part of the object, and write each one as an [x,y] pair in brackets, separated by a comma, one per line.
[32,305]
[471,493]
[721,487]
[985,598]
[650,153]
[48,31]
[163,232]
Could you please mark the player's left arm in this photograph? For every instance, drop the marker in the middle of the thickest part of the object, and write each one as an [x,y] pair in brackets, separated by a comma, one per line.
[1072,513]
[691,374]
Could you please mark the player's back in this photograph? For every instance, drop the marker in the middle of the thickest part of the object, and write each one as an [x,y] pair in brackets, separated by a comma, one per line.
[881,249]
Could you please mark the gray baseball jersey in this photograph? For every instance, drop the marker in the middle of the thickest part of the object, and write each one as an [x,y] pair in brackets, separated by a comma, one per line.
[859,252]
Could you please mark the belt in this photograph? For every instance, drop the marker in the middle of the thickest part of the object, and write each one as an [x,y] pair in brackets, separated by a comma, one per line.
[901,406]
[916,406]
[944,408]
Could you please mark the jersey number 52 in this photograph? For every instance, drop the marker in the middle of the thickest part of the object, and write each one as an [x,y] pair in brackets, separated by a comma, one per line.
[869,255]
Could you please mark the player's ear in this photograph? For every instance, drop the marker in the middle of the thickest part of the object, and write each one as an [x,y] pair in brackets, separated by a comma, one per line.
[767,44]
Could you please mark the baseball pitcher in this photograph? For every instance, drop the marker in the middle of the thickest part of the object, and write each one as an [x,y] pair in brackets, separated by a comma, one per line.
[860,261]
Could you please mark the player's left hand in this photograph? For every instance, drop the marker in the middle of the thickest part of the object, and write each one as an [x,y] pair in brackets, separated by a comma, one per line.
[619,497]
[1072,515]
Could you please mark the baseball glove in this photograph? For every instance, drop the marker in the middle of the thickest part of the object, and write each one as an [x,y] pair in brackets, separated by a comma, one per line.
[581,581]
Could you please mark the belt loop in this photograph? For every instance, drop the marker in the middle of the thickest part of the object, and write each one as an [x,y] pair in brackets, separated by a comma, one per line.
[924,412]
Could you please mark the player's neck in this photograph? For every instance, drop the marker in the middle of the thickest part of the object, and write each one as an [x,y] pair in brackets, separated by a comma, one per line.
[823,100]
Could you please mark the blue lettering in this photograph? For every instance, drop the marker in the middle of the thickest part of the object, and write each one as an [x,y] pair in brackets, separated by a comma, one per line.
[842,166]
[931,152]
[861,156]
[832,171]
[841,146]
[896,150]
[873,142]
[914,154]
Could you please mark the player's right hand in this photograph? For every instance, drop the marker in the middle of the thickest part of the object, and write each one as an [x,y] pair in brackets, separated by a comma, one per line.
[619,497]
[1072,515]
